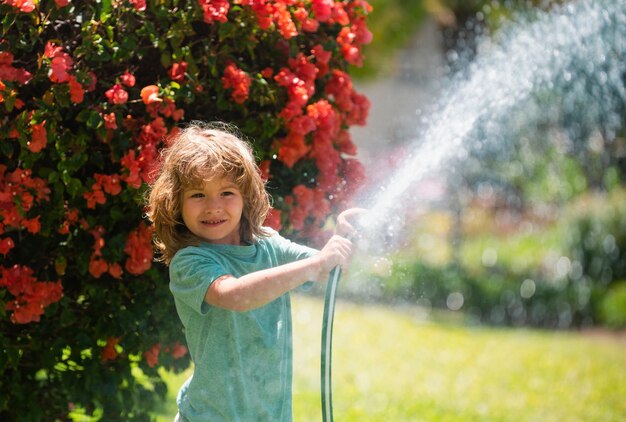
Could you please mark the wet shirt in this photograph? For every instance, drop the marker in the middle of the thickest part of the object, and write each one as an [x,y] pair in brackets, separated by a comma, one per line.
[242,360]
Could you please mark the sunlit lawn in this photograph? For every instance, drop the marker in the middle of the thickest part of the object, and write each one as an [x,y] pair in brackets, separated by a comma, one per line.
[395,365]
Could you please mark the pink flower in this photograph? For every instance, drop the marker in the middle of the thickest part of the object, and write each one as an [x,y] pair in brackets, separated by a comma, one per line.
[128,79]
[117,95]
[59,66]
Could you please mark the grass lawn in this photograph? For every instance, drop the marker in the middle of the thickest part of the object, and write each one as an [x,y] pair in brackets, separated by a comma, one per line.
[395,365]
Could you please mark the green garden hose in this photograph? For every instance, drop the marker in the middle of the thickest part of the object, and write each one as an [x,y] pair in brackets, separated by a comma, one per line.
[327,344]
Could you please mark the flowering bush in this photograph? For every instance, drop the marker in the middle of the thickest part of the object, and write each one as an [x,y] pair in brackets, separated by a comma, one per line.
[89,92]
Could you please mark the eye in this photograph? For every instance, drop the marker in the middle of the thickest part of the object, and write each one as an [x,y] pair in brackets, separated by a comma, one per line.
[228,193]
[197,195]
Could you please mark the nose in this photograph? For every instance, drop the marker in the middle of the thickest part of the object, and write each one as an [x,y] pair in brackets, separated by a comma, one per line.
[213,205]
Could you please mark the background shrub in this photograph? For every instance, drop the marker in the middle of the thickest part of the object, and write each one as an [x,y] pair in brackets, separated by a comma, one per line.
[613,306]
[89,92]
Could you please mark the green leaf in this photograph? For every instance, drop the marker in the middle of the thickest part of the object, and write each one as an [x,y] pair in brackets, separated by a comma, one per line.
[227,30]
[95,120]
[105,12]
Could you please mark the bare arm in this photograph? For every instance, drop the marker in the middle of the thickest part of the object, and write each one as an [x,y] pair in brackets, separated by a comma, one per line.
[261,287]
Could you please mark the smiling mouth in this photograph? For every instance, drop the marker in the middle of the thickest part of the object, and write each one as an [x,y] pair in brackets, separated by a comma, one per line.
[213,222]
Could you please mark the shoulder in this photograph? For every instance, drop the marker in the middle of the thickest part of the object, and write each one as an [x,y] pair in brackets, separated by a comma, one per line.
[271,238]
[284,246]
[190,254]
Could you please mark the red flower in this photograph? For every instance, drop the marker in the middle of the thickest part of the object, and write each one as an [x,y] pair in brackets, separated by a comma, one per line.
[263,12]
[310,25]
[52,50]
[152,355]
[301,125]
[61,3]
[77,93]
[32,225]
[178,350]
[110,121]
[322,9]
[139,250]
[140,5]
[283,21]
[97,266]
[238,80]
[323,115]
[292,149]
[305,202]
[177,72]
[273,219]
[131,164]
[96,196]
[322,57]
[6,245]
[359,111]
[214,10]
[31,295]
[110,184]
[115,270]
[354,172]
[25,6]
[109,352]
[267,72]
[345,144]
[39,137]
[339,14]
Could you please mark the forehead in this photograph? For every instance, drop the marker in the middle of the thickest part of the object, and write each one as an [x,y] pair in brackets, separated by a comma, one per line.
[216,182]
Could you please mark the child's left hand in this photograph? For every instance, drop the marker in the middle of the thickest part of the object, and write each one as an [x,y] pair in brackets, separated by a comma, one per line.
[346,222]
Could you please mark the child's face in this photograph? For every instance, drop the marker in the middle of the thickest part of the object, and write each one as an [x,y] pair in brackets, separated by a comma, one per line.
[213,211]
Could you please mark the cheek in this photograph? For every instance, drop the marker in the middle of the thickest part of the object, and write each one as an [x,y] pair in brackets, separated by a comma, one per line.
[186,210]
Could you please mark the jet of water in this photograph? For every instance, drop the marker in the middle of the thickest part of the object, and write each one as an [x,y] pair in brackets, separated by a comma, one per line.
[526,58]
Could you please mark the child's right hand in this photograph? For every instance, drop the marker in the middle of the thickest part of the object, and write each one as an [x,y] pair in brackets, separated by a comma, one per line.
[337,251]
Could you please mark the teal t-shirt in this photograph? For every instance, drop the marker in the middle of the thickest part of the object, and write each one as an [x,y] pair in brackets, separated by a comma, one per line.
[242,360]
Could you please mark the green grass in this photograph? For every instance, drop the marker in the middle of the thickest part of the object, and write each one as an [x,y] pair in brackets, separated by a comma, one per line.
[395,365]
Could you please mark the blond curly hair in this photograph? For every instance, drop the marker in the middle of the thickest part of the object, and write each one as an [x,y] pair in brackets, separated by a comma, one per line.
[198,153]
